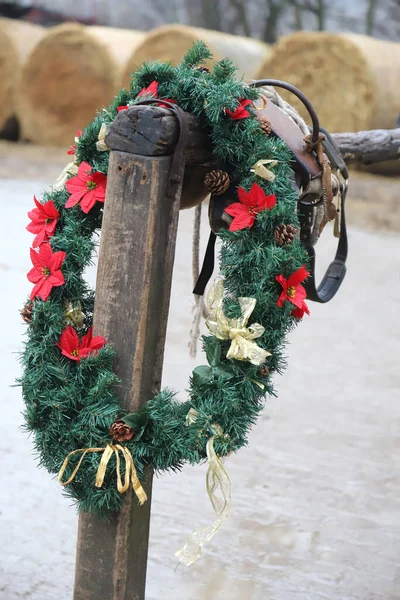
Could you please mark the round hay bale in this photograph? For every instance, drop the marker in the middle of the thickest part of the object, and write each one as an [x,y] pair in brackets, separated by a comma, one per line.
[352,80]
[170,43]
[17,39]
[71,73]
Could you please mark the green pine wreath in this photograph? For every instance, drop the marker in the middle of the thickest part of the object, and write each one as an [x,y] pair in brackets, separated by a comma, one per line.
[68,380]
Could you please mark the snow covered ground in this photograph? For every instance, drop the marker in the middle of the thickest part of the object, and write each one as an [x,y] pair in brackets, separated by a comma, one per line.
[316,509]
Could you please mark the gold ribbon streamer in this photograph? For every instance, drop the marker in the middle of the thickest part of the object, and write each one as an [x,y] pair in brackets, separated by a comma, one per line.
[242,347]
[261,170]
[219,491]
[130,470]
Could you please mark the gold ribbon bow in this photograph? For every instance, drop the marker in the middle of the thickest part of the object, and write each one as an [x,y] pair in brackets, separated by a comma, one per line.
[219,491]
[70,170]
[130,471]
[242,347]
[261,170]
[101,144]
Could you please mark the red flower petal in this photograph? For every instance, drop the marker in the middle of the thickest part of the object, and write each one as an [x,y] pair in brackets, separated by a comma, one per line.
[269,202]
[97,342]
[56,279]
[39,205]
[244,197]
[69,341]
[40,259]
[36,289]
[45,289]
[50,210]
[298,276]
[56,260]
[88,201]
[74,199]
[240,112]
[84,171]
[282,280]
[100,180]
[257,195]
[151,90]
[236,209]
[40,238]
[35,275]
[37,220]
[299,296]
[50,227]
[85,342]
[243,221]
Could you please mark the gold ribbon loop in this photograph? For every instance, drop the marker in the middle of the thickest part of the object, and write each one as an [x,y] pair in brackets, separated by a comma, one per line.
[261,170]
[130,470]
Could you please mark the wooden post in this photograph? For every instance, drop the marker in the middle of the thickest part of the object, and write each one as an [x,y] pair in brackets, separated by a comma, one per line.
[131,310]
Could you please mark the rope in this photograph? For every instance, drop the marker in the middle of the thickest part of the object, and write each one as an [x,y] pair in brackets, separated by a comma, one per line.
[287,108]
[198,307]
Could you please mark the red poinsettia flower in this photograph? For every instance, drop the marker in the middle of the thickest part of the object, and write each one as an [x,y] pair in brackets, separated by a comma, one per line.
[46,272]
[72,149]
[43,221]
[86,188]
[74,349]
[251,203]
[294,292]
[240,112]
[152,91]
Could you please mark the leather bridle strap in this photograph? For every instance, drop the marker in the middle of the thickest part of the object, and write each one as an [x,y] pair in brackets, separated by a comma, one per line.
[337,269]
[208,266]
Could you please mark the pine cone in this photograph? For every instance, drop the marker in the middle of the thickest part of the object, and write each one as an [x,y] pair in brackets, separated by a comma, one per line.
[263,371]
[284,234]
[26,312]
[121,432]
[265,125]
[203,69]
[217,182]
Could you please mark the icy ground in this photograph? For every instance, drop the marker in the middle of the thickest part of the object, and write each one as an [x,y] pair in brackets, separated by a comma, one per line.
[316,509]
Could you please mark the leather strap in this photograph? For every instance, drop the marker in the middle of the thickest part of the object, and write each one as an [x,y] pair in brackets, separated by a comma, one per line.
[208,266]
[336,271]
[283,127]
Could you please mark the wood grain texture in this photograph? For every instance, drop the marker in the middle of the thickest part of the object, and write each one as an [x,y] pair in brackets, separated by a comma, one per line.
[369,147]
[153,131]
[131,311]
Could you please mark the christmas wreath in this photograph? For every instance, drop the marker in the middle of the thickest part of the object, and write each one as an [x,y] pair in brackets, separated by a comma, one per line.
[80,431]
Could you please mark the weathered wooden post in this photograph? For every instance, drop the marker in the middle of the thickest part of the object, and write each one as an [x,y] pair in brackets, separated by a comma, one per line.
[131,310]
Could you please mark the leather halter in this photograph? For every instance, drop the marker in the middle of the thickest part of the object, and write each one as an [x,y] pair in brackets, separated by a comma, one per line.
[307,168]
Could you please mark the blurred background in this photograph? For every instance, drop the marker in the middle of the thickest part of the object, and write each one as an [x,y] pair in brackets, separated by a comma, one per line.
[316,494]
